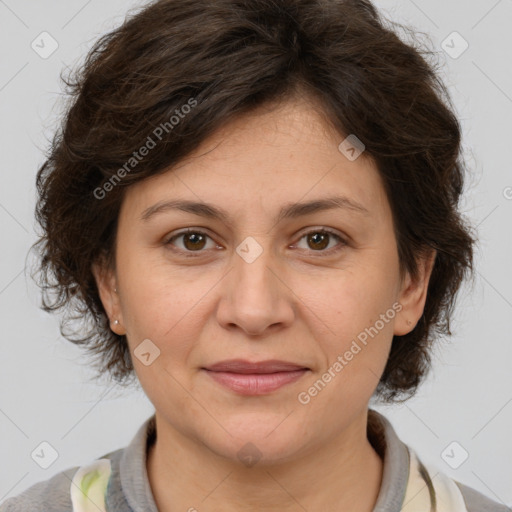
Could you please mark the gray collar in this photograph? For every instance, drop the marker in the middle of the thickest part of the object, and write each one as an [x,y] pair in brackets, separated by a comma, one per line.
[135,489]
[395,473]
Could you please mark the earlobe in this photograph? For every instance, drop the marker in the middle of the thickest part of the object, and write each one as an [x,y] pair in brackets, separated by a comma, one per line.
[107,288]
[413,295]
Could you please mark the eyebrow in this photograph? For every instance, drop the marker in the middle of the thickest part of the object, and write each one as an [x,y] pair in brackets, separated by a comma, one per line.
[288,211]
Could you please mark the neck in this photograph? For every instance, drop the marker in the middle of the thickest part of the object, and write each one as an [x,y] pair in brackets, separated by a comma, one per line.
[343,474]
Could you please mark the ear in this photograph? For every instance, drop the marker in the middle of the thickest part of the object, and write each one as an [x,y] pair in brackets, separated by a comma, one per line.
[413,295]
[106,282]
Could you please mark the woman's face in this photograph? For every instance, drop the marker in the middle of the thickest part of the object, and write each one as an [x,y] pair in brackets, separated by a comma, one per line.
[258,286]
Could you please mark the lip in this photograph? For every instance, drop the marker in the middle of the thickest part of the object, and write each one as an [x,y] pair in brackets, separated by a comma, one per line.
[255,378]
[243,366]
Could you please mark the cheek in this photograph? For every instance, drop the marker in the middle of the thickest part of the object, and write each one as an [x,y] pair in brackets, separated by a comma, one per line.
[155,293]
[170,307]
[163,318]
[355,349]
[359,307]
[355,298]
[167,317]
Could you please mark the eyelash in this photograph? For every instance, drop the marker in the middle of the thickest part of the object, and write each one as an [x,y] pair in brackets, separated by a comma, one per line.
[191,254]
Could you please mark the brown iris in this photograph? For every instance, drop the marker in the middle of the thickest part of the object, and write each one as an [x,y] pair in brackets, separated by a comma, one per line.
[196,240]
[319,238]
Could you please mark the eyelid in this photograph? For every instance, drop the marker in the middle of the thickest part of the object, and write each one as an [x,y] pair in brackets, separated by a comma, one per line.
[202,231]
[343,240]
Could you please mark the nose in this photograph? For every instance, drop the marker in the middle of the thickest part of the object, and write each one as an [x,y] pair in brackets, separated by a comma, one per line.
[255,296]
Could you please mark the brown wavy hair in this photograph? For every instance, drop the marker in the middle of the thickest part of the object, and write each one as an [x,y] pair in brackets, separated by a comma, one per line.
[232,56]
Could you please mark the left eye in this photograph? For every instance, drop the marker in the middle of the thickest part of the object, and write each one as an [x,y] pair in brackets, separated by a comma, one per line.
[320,240]
[195,241]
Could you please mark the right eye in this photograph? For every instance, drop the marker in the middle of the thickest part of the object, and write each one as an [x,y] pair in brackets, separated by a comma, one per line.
[193,241]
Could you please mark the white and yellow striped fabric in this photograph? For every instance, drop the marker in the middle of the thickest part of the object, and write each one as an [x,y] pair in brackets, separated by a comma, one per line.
[429,490]
[89,487]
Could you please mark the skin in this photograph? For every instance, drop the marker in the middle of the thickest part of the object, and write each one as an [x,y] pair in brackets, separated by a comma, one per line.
[290,303]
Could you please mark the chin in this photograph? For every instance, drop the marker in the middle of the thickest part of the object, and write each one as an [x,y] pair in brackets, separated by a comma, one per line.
[263,439]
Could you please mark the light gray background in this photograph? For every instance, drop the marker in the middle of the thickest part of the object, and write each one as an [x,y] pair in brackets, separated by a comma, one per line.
[45,394]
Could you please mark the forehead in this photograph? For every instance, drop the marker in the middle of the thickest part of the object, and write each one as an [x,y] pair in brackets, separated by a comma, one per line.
[262,160]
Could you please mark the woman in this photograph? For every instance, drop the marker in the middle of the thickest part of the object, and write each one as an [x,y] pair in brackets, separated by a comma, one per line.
[254,206]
